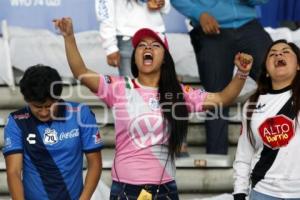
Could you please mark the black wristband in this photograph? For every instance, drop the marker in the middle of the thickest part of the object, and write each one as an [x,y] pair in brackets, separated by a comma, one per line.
[239,196]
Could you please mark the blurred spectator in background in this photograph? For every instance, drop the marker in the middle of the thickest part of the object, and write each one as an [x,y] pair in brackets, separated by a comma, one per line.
[120,19]
[278,13]
[220,30]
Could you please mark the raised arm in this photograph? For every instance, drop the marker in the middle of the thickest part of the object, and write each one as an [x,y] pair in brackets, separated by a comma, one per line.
[231,91]
[87,77]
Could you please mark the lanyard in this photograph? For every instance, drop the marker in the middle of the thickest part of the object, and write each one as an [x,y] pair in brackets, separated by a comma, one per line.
[162,175]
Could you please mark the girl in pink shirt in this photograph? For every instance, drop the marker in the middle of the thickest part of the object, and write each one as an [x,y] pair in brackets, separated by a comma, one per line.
[150,111]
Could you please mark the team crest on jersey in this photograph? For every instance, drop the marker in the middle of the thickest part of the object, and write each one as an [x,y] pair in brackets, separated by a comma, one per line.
[107,79]
[277,131]
[201,91]
[97,137]
[153,103]
[50,136]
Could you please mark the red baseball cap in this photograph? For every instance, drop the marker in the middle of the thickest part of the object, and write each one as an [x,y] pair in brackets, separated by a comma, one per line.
[146,32]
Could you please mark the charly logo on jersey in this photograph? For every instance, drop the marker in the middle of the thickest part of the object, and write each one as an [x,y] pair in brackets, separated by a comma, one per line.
[277,131]
[31,138]
[50,136]
[148,129]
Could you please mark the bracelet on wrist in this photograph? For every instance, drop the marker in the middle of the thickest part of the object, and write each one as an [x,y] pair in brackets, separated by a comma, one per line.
[242,75]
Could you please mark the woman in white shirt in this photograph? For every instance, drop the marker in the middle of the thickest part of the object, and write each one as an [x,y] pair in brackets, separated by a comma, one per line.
[266,161]
[120,19]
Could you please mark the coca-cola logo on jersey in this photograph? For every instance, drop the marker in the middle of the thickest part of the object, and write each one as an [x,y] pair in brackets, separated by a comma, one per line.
[147,130]
[277,131]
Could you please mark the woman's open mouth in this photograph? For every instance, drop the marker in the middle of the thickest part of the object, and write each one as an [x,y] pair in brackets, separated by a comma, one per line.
[148,58]
[280,63]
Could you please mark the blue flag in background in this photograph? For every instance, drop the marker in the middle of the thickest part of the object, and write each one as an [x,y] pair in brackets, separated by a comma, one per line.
[39,13]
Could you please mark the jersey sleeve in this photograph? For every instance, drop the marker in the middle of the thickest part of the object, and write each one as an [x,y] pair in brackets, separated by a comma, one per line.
[243,159]
[13,141]
[89,132]
[110,89]
[194,98]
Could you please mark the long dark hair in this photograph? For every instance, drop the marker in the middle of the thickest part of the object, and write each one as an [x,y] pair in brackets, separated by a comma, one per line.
[171,100]
[264,85]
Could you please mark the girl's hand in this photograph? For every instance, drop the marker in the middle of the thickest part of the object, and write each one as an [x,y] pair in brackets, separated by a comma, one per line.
[155,4]
[243,62]
[64,25]
[160,3]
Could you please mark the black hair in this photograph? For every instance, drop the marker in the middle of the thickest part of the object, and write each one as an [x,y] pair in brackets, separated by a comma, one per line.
[173,105]
[264,85]
[40,83]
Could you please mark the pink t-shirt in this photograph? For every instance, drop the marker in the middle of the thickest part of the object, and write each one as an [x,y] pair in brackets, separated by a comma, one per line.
[141,136]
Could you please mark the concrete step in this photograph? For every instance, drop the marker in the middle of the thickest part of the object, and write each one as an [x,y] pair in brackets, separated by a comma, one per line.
[3,183]
[192,180]
[182,196]
[108,155]
[191,174]
[197,159]
[4,197]
[199,173]
[196,180]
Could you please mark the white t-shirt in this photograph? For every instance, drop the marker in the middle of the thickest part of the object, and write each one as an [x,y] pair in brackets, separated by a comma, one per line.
[276,151]
[124,18]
